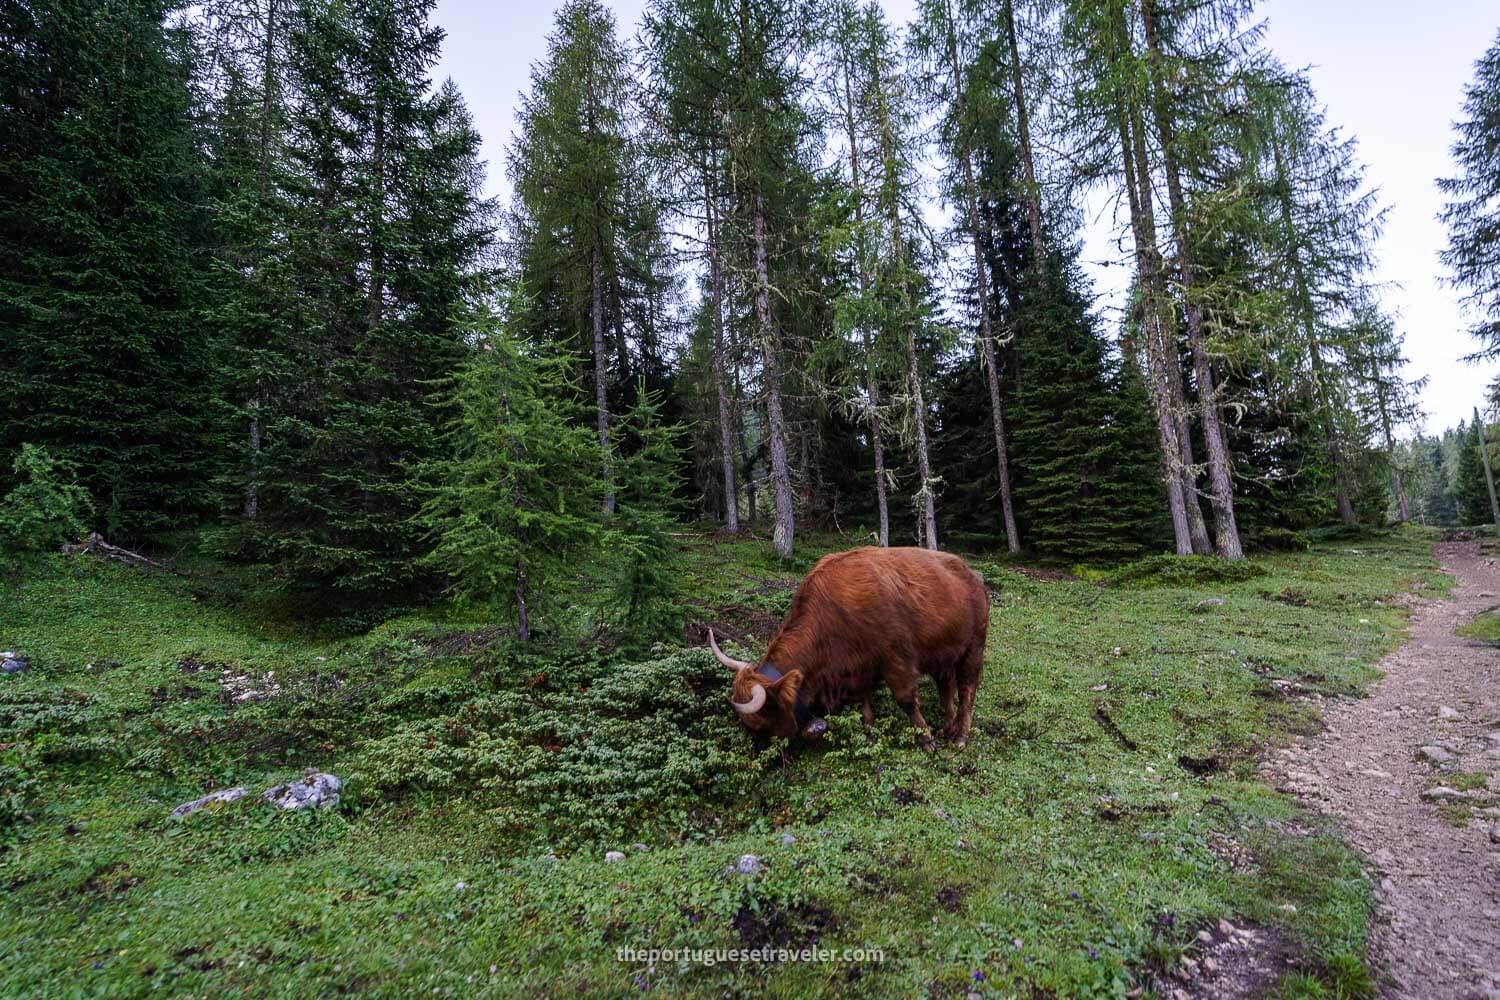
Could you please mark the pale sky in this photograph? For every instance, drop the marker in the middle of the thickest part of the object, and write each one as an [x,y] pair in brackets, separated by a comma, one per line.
[1391,74]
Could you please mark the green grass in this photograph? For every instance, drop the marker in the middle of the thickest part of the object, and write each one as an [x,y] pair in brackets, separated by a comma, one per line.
[1485,627]
[1107,806]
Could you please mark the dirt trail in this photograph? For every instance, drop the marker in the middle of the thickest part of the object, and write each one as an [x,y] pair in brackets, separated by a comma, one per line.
[1433,719]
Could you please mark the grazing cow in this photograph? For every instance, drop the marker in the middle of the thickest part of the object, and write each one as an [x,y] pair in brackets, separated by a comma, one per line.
[861,617]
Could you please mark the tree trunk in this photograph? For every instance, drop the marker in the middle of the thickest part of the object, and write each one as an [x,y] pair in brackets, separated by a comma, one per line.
[1226,530]
[1484,457]
[776,424]
[872,384]
[376,303]
[1403,512]
[1023,129]
[601,375]
[1148,311]
[263,177]
[981,281]
[726,422]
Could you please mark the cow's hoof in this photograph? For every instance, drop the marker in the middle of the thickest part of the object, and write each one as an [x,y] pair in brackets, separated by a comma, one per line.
[926,742]
[958,742]
[814,730]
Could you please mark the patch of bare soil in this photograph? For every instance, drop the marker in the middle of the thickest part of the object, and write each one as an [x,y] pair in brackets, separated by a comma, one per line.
[1228,962]
[1044,574]
[736,622]
[1410,775]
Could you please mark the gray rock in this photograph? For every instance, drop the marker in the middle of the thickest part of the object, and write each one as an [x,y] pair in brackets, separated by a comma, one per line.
[1447,712]
[13,663]
[315,788]
[639,848]
[222,795]
[1442,793]
[748,864]
[787,840]
[614,856]
[1495,834]
[1211,602]
[1436,755]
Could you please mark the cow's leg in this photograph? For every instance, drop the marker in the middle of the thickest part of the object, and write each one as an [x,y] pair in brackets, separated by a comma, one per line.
[969,672]
[904,690]
[867,713]
[947,686]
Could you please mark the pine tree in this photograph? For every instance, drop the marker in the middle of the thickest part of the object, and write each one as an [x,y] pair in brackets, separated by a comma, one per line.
[576,210]
[639,539]
[1470,491]
[1083,479]
[1472,213]
[512,502]
[380,231]
[101,186]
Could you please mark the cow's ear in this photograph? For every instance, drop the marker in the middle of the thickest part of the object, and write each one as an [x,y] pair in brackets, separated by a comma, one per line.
[785,690]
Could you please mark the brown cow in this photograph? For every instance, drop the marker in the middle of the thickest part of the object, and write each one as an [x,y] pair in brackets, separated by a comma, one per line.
[861,617]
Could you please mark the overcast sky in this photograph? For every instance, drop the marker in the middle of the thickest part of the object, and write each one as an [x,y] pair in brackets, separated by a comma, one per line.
[1392,74]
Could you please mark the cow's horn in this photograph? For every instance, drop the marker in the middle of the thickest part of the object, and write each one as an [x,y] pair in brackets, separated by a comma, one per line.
[719,655]
[757,699]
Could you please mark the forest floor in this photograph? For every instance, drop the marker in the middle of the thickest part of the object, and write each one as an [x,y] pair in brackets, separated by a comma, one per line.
[1107,832]
[1410,775]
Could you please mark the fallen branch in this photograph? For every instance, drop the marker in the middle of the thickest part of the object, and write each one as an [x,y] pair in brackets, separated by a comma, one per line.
[95,545]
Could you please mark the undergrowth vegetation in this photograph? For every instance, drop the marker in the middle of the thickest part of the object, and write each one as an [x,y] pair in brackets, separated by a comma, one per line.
[1106,808]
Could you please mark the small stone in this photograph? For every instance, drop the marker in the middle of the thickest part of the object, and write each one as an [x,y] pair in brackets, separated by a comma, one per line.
[1206,937]
[614,856]
[1209,965]
[748,864]
[1495,834]
[460,886]
[1442,793]
[639,848]
[1288,907]
[223,795]
[787,840]
[1375,772]
[1189,966]
[1117,651]
[1226,928]
[1364,621]
[1211,602]
[1447,712]
[1435,754]
[973,995]
[12,662]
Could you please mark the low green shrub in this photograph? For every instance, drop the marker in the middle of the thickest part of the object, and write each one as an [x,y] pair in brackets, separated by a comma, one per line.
[47,506]
[1183,571]
[575,760]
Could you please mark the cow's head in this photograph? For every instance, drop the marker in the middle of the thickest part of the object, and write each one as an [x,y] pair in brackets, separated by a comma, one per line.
[766,707]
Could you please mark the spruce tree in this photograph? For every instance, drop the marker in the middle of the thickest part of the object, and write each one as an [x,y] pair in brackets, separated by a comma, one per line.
[576,210]
[107,362]
[511,502]
[380,229]
[1470,491]
[1472,213]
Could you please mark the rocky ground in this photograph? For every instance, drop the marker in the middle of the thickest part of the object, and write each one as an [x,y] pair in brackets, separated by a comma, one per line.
[1411,775]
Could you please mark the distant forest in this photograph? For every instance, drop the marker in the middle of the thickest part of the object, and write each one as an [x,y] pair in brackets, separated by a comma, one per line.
[765,266]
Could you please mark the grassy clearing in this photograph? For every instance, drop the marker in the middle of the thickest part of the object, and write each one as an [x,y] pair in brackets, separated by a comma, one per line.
[1107,806]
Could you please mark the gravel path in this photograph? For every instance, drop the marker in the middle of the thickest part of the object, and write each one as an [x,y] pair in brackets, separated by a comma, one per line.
[1434,720]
